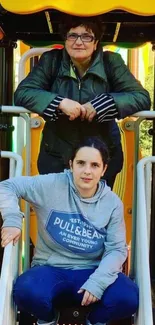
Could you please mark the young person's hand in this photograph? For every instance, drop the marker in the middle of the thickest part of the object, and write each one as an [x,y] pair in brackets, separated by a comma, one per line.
[90,111]
[9,234]
[88,298]
[72,108]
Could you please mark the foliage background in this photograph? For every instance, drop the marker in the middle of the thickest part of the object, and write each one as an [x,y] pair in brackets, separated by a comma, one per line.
[145,138]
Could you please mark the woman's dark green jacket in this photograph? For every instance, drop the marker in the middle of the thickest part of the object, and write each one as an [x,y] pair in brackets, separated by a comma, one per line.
[54,76]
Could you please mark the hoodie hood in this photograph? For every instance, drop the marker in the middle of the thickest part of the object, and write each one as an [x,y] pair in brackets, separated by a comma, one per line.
[103,189]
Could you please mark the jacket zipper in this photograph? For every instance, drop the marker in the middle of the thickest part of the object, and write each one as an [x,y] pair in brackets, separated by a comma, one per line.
[77,78]
[79,85]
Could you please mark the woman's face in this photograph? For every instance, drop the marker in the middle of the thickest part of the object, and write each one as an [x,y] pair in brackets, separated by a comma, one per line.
[87,168]
[77,49]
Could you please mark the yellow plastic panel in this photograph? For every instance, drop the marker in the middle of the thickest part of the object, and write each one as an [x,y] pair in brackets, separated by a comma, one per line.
[80,7]
[124,181]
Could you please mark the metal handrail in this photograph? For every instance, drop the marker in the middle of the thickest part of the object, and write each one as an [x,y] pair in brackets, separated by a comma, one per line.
[20,109]
[27,55]
[13,109]
[141,117]
[14,170]
[142,269]
[12,258]
[24,114]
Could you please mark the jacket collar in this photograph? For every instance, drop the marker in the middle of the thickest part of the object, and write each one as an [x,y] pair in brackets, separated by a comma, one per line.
[97,67]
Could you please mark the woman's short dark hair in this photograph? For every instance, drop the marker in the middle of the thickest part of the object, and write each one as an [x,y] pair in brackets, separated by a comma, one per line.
[90,23]
[94,142]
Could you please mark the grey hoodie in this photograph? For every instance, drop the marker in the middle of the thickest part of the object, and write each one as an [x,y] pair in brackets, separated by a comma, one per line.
[73,232]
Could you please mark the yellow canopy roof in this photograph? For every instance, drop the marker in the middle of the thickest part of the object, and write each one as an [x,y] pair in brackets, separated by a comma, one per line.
[80,7]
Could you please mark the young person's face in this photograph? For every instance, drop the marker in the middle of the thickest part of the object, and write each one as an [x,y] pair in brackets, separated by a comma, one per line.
[78,49]
[87,168]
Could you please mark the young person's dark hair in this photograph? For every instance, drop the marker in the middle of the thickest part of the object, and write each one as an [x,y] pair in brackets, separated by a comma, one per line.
[91,24]
[93,142]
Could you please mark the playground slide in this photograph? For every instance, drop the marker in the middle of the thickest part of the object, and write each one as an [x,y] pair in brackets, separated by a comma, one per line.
[12,255]
[12,258]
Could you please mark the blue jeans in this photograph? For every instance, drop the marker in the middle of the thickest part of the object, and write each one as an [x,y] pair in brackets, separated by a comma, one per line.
[40,289]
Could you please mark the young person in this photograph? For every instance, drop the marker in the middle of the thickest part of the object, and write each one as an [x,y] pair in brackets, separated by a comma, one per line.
[81,244]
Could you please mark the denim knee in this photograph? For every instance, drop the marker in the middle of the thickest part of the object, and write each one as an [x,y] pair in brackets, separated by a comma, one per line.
[123,304]
[31,300]
[120,300]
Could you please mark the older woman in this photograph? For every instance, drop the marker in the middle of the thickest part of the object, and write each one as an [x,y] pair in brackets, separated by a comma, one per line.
[80,90]
[81,240]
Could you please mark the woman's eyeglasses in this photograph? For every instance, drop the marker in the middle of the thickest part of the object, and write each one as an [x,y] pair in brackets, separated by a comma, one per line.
[87,38]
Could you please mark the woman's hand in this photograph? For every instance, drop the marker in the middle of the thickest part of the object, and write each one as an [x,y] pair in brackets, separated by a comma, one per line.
[72,108]
[88,298]
[9,234]
[90,111]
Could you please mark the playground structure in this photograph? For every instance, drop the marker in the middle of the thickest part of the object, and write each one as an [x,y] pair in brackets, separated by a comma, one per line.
[138,205]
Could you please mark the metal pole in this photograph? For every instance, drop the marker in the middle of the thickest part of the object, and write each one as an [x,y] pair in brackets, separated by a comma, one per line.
[152,227]
[133,56]
[6,98]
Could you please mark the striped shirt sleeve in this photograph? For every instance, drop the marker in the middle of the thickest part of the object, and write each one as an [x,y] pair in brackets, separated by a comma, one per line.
[105,108]
[51,111]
